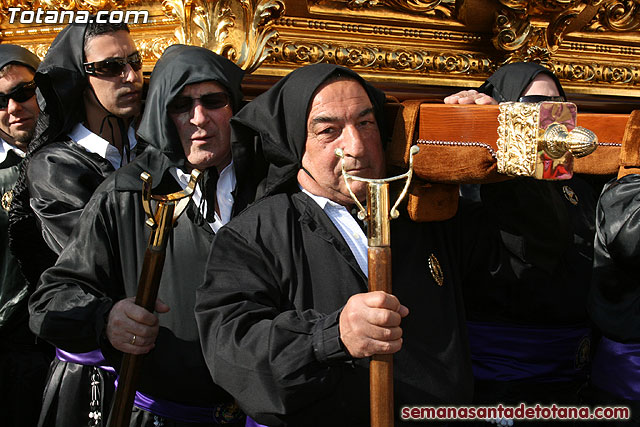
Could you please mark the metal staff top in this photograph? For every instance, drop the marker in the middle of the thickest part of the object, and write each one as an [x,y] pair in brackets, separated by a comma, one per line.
[377,213]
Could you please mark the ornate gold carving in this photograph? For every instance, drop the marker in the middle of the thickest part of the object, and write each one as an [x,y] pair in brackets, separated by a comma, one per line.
[379,57]
[538,140]
[444,8]
[215,25]
[598,73]
[534,30]
[518,127]
[617,15]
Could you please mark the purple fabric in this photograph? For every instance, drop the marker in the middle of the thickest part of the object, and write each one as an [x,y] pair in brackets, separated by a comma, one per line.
[616,369]
[512,353]
[186,413]
[92,358]
[251,423]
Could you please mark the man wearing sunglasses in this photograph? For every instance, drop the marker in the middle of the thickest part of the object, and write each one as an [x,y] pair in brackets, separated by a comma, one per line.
[88,296]
[90,84]
[535,301]
[24,361]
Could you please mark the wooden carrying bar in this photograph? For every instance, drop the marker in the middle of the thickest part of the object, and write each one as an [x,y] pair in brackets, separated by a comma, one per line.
[458,145]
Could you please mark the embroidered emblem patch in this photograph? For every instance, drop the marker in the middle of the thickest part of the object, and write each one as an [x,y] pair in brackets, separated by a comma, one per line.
[570,195]
[6,200]
[436,270]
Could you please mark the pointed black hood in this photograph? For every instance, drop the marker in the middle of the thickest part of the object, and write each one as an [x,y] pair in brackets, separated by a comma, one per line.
[61,79]
[273,127]
[179,66]
[509,81]
[14,54]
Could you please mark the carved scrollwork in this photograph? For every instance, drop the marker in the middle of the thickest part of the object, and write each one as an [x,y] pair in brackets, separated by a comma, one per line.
[441,8]
[533,30]
[151,48]
[512,30]
[598,74]
[379,58]
[241,30]
[617,15]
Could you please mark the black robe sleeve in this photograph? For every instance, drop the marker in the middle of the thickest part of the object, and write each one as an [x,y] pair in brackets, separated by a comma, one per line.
[61,180]
[70,305]
[614,300]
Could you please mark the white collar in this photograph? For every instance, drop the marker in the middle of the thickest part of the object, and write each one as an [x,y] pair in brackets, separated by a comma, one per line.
[6,147]
[224,188]
[100,146]
[323,201]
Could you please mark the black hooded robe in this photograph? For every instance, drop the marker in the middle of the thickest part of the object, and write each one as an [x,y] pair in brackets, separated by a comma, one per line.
[540,287]
[56,181]
[614,298]
[24,360]
[102,262]
[280,272]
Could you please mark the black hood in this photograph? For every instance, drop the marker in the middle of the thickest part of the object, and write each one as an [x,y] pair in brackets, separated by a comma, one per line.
[61,79]
[179,66]
[509,81]
[14,54]
[273,127]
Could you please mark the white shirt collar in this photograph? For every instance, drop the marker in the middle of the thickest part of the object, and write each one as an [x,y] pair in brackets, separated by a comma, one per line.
[348,228]
[100,146]
[6,147]
[224,188]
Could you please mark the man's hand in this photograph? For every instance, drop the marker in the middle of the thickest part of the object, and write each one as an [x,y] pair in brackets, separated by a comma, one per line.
[128,320]
[470,97]
[370,324]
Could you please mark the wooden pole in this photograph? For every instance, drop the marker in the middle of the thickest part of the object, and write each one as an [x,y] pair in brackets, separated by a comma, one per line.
[146,296]
[381,367]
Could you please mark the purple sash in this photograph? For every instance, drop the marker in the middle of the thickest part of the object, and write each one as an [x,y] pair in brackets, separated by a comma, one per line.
[511,353]
[220,414]
[251,423]
[92,358]
[616,369]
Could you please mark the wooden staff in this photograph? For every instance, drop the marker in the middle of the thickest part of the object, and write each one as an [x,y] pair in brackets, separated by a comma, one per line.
[168,209]
[378,216]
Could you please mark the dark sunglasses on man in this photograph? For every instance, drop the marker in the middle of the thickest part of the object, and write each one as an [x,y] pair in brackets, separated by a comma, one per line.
[21,93]
[113,67]
[541,98]
[210,101]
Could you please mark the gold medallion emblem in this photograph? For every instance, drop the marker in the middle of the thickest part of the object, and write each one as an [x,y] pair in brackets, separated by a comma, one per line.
[583,353]
[6,200]
[436,270]
[570,195]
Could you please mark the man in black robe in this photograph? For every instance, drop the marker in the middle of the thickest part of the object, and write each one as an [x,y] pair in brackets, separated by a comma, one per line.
[23,359]
[528,325]
[89,91]
[614,298]
[86,299]
[285,319]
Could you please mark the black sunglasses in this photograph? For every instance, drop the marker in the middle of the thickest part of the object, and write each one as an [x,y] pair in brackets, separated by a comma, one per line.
[113,67]
[541,98]
[21,93]
[210,101]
